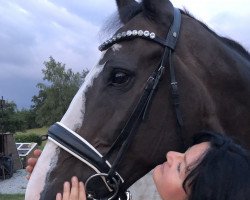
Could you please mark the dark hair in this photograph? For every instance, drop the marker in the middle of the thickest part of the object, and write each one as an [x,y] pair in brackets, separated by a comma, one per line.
[223,173]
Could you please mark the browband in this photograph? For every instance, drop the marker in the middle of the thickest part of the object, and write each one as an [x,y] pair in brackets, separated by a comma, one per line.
[170,41]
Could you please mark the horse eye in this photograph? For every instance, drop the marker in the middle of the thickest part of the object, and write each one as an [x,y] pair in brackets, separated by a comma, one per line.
[119,78]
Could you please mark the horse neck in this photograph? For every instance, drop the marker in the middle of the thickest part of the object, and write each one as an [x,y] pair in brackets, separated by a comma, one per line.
[216,75]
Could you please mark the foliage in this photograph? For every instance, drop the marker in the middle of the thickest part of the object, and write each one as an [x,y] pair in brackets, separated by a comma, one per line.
[38,131]
[55,96]
[11,119]
[49,105]
[28,137]
[29,117]
[11,196]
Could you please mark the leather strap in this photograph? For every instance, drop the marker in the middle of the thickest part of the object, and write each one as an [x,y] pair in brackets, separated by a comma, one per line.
[78,146]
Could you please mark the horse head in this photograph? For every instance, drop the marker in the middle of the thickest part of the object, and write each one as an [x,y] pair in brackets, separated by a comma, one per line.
[129,110]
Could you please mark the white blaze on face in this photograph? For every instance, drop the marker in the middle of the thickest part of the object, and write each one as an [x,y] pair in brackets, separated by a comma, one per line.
[116,47]
[73,119]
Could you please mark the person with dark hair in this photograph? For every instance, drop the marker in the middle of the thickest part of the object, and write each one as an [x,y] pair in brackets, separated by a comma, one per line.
[214,168]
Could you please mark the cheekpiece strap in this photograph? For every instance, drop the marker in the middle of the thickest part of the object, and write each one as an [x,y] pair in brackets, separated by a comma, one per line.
[174,31]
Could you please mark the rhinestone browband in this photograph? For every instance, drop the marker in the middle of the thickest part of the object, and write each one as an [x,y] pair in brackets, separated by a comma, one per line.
[127,35]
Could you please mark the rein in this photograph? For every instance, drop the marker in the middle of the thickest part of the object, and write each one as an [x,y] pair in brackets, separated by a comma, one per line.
[84,151]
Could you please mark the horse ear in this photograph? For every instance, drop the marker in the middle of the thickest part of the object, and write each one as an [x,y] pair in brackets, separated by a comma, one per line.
[157,9]
[122,5]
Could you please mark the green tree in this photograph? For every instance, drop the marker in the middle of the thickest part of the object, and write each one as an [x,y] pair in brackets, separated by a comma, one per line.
[56,94]
[12,120]
[29,117]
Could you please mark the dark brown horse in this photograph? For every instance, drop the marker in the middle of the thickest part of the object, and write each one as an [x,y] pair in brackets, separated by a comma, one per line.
[213,75]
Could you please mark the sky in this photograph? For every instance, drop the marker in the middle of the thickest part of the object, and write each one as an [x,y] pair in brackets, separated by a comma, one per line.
[33,30]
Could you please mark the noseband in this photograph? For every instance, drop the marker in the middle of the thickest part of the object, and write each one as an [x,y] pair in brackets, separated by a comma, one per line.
[84,151]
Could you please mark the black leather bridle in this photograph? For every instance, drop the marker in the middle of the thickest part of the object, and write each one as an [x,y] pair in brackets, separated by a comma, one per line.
[81,149]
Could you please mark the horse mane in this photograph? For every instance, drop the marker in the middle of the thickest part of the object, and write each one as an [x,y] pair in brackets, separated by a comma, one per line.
[231,43]
[114,23]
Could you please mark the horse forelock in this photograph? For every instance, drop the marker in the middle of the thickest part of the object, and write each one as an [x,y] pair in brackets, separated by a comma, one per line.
[113,23]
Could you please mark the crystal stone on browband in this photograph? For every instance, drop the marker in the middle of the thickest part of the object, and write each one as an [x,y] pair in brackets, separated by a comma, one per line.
[127,35]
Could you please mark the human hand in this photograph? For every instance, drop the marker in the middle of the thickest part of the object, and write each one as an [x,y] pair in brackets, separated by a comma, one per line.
[77,191]
[32,162]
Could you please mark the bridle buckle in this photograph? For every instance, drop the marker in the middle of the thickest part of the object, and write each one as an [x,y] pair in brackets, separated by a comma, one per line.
[112,183]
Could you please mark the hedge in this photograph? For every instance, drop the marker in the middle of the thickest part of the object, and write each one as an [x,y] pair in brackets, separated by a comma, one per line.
[28,137]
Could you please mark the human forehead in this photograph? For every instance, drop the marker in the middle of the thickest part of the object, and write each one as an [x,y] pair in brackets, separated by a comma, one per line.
[195,152]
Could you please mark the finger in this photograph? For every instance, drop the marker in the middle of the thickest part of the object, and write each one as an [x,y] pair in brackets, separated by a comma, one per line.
[29,169]
[66,191]
[74,189]
[27,177]
[82,193]
[59,196]
[32,161]
[37,153]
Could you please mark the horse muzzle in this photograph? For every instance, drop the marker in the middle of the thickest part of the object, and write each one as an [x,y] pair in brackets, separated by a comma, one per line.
[85,152]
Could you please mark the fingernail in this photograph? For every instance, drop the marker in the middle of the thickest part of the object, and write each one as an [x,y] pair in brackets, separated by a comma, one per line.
[58,196]
[81,184]
[66,183]
[74,179]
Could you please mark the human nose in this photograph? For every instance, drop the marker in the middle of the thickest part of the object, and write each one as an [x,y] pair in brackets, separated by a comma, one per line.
[173,156]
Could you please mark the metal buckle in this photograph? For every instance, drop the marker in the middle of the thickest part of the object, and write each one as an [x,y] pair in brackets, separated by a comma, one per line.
[161,70]
[114,186]
[150,83]
[44,137]
[129,196]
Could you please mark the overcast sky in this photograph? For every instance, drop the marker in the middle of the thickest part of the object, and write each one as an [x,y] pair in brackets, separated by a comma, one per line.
[33,30]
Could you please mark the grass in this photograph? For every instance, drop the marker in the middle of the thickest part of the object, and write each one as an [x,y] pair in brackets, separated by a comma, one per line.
[38,131]
[11,196]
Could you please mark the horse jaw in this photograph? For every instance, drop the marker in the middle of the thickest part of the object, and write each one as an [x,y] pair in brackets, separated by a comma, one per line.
[73,119]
